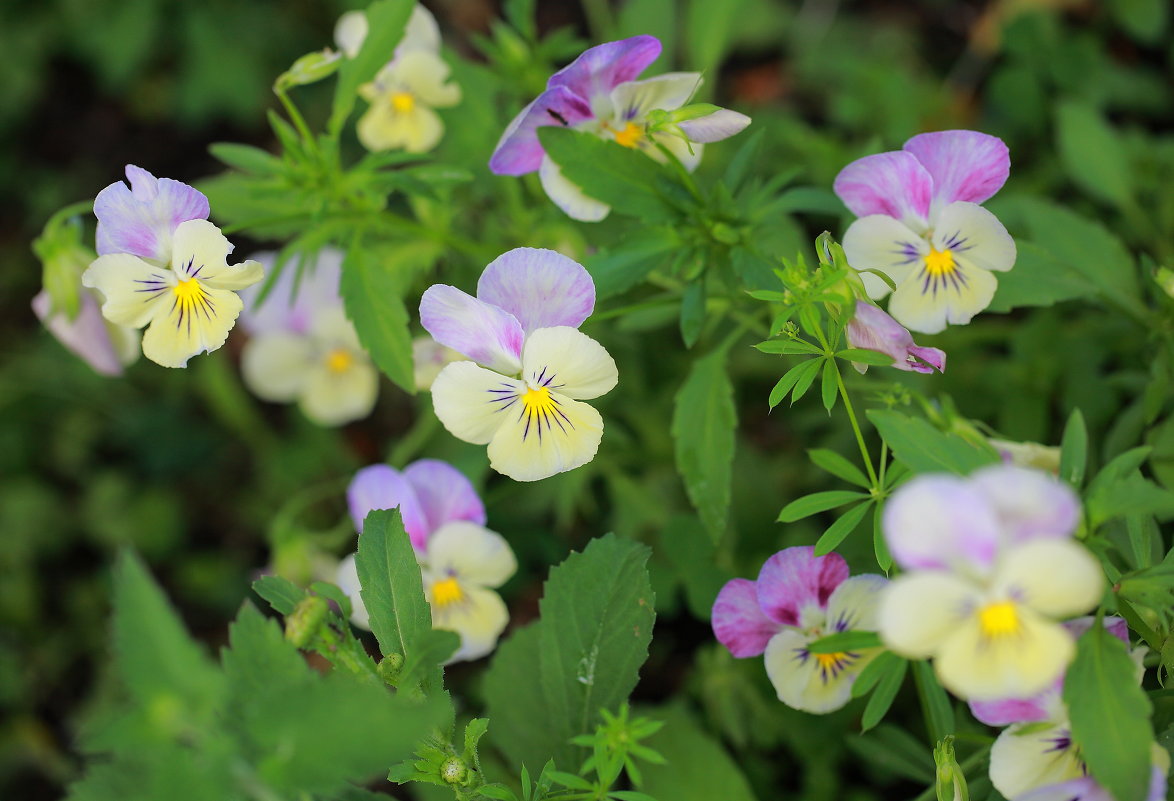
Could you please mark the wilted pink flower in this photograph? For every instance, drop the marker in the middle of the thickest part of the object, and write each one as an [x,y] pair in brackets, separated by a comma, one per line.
[873,329]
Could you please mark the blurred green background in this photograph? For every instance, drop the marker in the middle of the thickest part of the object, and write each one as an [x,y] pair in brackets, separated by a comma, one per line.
[184,467]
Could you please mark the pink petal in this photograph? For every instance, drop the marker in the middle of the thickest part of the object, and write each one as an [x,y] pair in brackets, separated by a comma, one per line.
[445,494]
[380,487]
[940,521]
[141,219]
[85,336]
[481,331]
[603,67]
[1006,711]
[894,184]
[519,151]
[541,288]
[873,329]
[795,579]
[282,310]
[964,165]
[738,621]
[1031,504]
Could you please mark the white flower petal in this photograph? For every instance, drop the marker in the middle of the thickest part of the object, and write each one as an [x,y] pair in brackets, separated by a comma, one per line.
[569,197]
[350,32]
[817,683]
[472,402]
[1026,760]
[1057,578]
[347,580]
[274,366]
[544,433]
[473,554]
[918,611]
[879,242]
[568,362]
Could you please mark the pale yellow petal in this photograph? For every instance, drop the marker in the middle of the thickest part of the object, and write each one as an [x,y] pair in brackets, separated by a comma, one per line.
[474,554]
[347,580]
[927,303]
[569,362]
[384,128]
[568,196]
[425,75]
[918,611]
[274,366]
[333,396]
[1025,757]
[472,402]
[688,153]
[198,324]
[543,435]
[816,683]
[479,616]
[134,291]
[1057,578]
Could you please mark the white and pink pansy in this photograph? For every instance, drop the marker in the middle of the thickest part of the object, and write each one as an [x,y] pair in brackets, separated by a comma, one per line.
[302,347]
[921,224]
[162,265]
[530,367]
[1035,757]
[872,329]
[797,599]
[461,561]
[598,93]
[991,567]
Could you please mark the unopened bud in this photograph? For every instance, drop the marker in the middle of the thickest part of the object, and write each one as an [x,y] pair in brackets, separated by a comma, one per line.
[390,667]
[454,770]
[303,625]
[951,781]
[310,68]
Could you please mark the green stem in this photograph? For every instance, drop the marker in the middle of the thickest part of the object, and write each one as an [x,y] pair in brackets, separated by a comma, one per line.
[298,121]
[856,430]
[884,461]
[411,442]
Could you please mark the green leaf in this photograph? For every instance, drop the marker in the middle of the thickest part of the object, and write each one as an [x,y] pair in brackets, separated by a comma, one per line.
[432,649]
[155,658]
[884,694]
[392,588]
[1091,153]
[839,530]
[373,295]
[259,659]
[1146,21]
[386,20]
[515,701]
[873,672]
[693,312]
[806,378]
[880,547]
[281,593]
[789,379]
[1074,450]
[838,466]
[331,592]
[788,347]
[622,177]
[895,750]
[697,767]
[818,502]
[597,615]
[1110,714]
[709,31]
[617,270]
[845,641]
[925,449]
[247,158]
[1038,279]
[704,419]
[829,385]
[939,711]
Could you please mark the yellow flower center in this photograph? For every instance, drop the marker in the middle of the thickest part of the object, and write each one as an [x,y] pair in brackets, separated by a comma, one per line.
[338,360]
[940,262]
[446,591]
[999,619]
[403,102]
[188,292]
[537,401]
[630,135]
[829,662]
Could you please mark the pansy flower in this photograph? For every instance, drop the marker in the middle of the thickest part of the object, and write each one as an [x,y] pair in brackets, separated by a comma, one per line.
[872,329]
[1035,757]
[406,90]
[530,367]
[991,567]
[799,598]
[302,347]
[922,225]
[461,561]
[165,267]
[598,93]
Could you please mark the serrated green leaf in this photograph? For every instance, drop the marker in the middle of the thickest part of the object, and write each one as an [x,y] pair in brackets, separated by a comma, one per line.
[925,449]
[704,420]
[1110,714]
[386,20]
[331,592]
[817,502]
[373,295]
[597,614]
[259,659]
[838,466]
[1074,450]
[844,641]
[839,530]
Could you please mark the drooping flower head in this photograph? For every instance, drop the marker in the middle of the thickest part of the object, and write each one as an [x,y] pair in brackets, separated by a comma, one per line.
[302,347]
[530,367]
[799,598]
[163,266]
[407,89]
[461,561]
[991,566]
[922,225]
[598,93]
[1035,756]
[872,329]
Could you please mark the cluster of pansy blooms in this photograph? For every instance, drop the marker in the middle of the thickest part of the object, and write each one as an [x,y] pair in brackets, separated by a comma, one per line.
[597,93]
[301,346]
[405,91]
[990,573]
[461,561]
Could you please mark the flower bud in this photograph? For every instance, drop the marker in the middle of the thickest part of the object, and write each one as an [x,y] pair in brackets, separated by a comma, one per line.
[454,770]
[951,781]
[310,68]
[389,668]
[303,625]
[873,329]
